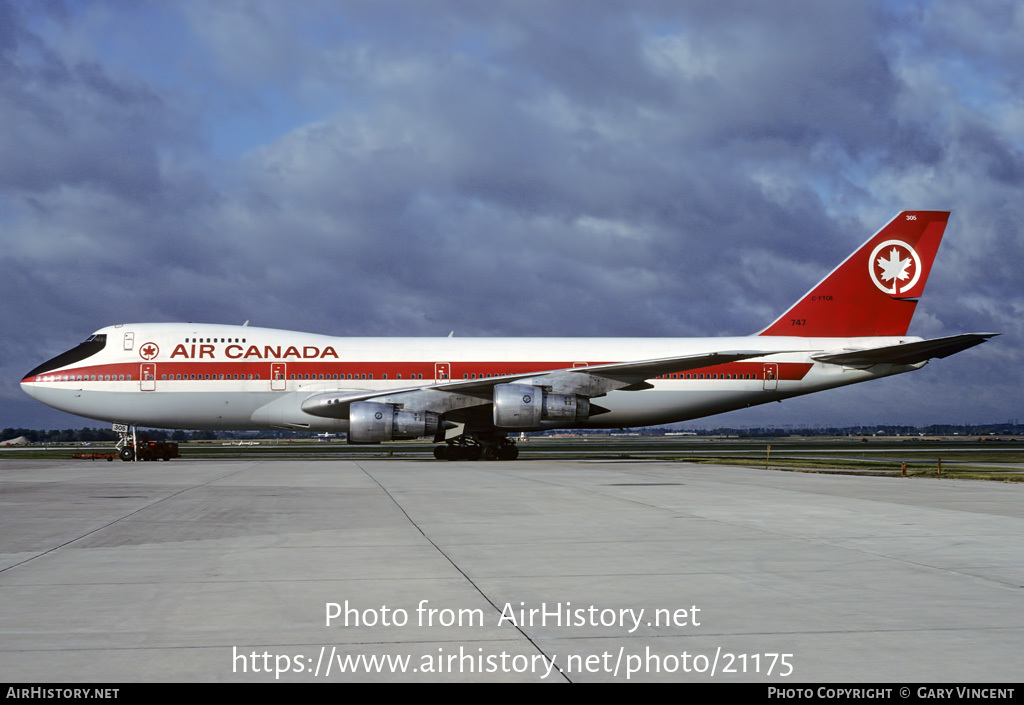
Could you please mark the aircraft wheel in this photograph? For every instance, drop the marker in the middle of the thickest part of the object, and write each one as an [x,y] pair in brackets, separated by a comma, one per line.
[491,452]
[127,454]
[508,453]
[440,452]
[472,452]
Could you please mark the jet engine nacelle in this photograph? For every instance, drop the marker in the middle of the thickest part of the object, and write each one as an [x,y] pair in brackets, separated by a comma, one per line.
[374,422]
[524,406]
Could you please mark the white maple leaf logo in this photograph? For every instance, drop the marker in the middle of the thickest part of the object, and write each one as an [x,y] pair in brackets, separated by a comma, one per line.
[894,267]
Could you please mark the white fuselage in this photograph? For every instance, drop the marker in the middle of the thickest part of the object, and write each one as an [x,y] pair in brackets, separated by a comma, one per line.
[207,376]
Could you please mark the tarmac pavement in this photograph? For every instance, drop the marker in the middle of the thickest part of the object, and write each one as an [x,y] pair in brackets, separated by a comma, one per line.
[535,570]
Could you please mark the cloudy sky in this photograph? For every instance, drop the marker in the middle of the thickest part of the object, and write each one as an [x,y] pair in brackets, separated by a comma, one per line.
[509,168]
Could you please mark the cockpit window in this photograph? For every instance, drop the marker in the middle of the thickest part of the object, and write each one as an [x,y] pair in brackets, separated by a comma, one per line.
[92,345]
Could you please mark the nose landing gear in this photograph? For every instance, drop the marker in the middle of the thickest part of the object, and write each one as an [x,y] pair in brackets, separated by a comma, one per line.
[126,441]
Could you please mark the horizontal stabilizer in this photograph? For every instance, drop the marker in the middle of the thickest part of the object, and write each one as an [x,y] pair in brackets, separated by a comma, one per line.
[908,353]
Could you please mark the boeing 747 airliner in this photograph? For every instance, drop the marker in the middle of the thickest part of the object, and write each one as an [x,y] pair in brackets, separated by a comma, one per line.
[469,394]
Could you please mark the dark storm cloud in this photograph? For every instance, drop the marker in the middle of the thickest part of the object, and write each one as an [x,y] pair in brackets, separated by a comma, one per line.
[71,125]
[525,168]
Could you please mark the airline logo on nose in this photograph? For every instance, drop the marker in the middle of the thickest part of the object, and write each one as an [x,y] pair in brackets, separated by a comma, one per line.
[894,267]
[149,351]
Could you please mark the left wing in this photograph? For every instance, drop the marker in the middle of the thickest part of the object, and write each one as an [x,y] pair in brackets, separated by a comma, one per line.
[592,381]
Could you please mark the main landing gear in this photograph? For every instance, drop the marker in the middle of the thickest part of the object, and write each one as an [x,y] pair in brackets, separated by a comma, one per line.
[477,448]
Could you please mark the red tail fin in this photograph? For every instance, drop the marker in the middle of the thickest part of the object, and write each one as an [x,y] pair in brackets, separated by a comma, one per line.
[874,291]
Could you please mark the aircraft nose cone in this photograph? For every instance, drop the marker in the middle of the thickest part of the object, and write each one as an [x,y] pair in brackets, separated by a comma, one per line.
[28,386]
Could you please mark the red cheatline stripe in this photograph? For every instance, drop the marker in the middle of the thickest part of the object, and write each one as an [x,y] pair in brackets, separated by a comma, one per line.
[411,371]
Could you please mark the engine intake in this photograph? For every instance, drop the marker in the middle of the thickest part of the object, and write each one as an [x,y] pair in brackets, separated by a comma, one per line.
[524,406]
[375,422]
